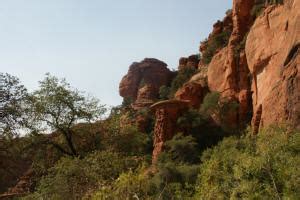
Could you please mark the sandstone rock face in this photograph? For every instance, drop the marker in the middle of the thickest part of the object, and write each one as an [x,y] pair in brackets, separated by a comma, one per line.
[193,92]
[141,84]
[143,80]
[228,70]
[216,79]
[272,50]
[166,114]
[190,62]
[220,26]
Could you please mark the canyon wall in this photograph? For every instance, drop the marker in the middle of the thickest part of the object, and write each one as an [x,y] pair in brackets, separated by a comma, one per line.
[272,50]
[258,69]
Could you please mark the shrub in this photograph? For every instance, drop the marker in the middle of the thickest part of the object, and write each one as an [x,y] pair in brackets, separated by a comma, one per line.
[127,101]
[182,77]
[219,107]
[124,137]
[164,92]
[130,185]
[177,170]
[213,44]
[265,167]
[259,6]
[131,142]
[72,178]
[180,149]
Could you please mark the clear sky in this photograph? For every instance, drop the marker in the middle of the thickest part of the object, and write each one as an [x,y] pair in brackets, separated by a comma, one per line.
[92,42]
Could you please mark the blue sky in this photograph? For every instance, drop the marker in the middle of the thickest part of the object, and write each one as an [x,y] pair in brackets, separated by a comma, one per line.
[92,42]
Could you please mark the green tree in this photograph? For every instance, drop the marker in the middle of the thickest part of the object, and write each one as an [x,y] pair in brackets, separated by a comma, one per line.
[13,96]
[56,106]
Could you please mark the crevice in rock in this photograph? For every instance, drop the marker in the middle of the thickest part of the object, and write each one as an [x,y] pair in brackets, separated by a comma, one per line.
[292,54]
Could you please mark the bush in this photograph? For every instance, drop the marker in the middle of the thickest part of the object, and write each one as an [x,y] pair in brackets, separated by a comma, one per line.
[213,44]
[72,178]
[164,92]
[220,108]
[180,149]
[182,77]
[259,6]
[130,185]
[265,167]
[122,137]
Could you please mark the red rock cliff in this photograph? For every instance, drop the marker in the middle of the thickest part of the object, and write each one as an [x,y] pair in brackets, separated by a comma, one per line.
[273,56]
[228,70]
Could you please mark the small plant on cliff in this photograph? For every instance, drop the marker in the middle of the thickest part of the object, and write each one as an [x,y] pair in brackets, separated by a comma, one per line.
[213,44]
[218,107]
[260,5]
[241,46]
[164,92]
[126,103]
[182,77]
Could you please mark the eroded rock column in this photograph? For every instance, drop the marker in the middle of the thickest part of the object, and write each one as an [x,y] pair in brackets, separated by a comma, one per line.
[166,113]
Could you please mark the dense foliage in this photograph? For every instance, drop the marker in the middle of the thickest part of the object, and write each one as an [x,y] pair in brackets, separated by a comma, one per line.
[73,178]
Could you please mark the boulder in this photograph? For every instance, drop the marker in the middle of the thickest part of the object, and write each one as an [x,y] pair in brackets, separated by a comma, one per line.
[143,80]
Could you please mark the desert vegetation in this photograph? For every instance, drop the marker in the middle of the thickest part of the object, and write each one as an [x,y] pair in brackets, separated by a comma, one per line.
[115,164]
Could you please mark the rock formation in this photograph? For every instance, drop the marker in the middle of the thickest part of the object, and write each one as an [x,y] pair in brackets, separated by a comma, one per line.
[143,80]
[228,70]
[192,92]
[262,76]
[225,25]
[272,50]
[190,62]
[141,85]
[166,114]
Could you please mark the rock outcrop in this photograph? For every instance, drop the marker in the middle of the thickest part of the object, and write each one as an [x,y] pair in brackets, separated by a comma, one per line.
[166,114]
[219,27]
[273,56]
[141,85]
[143,80]
[228,70]
[190,62]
